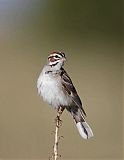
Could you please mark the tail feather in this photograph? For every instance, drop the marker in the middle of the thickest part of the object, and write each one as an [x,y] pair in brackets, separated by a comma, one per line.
[84,130]
[82,126]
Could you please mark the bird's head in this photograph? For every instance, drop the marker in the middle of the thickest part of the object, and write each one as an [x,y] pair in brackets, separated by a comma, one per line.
[56,59]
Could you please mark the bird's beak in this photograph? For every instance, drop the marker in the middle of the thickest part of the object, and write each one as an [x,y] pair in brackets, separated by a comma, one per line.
[64,58]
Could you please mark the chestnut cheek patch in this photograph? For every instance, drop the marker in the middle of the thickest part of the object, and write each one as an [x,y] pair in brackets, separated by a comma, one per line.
[52,59]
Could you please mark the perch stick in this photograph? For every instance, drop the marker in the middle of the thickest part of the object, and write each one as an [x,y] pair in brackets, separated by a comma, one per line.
[58,123]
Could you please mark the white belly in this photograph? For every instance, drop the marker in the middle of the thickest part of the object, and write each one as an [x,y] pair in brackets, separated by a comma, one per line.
[51,91]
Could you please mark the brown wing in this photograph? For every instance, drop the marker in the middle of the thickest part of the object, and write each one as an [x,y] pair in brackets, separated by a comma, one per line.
[70,89]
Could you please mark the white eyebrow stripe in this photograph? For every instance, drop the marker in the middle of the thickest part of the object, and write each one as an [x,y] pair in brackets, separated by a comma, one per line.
[59,54]
[55,54]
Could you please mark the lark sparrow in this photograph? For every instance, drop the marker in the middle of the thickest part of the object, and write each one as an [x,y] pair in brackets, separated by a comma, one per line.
[56,88]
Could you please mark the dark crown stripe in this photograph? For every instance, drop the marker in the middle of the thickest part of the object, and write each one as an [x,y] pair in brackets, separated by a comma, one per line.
[62,54]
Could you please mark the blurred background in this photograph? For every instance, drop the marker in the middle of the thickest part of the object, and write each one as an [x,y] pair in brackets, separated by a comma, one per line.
[90,33]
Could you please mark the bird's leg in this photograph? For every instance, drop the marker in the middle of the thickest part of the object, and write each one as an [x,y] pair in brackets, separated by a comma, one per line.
[58,124]
[59,113]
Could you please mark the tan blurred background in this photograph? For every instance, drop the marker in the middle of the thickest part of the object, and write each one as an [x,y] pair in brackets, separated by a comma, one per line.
[89,32]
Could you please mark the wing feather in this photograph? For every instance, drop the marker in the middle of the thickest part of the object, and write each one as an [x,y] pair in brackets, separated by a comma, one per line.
[70,89]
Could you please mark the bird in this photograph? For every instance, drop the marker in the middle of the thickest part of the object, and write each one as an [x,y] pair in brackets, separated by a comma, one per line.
[56,88]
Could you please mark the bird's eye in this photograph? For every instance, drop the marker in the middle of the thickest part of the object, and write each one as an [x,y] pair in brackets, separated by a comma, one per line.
[56,56]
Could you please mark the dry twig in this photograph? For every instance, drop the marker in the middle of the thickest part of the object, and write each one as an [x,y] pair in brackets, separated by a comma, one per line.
[57,137]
